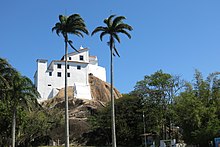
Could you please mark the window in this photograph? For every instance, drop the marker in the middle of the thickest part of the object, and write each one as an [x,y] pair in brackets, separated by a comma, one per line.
[68,66]
[70,58]
[58,65]
[58,74]
[50,73]
[78,67]
[68,74]
[49,85]
[81,57]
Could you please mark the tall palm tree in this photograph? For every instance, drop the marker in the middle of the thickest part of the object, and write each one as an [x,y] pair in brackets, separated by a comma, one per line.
[113,28]
[75,25]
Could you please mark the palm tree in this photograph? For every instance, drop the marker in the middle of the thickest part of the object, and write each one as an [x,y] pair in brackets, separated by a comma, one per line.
[22,92]
[5,73]
[16,90]
[75,25]
[113,28]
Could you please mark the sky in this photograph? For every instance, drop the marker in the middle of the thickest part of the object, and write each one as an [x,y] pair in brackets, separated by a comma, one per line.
[176,36]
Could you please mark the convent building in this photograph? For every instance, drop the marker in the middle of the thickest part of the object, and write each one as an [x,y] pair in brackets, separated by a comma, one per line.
[49,79]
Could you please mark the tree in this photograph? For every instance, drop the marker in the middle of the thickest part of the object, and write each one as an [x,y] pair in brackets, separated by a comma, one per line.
[157,92]
[197,109]
[75,25]
[113,28]
[22,92]
[16,90]
[6,71]
[128,123]
[39,127]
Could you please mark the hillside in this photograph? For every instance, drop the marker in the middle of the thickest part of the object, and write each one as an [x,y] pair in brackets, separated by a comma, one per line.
[80,109]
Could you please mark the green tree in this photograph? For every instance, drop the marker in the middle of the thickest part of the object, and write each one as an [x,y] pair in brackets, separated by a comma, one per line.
[5,124]
[22,92]
[16,90]
[6,71]
[128,123]
[73,24]
[196,109]
[157,92]
[188,110]
[113,28]
[38,127]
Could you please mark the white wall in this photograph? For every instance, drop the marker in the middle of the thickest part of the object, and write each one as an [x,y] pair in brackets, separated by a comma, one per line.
[76,56]
[82,91]
[47,85]
[41,78]
[98,72]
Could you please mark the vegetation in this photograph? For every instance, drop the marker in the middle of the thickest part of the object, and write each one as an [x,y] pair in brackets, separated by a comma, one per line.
[113,28]
[162,105]
[173,108]
[20,112]
[197,110]
[72,24]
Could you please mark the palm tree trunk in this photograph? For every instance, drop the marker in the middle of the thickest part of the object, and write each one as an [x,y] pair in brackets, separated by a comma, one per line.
[112,98]
[66,97]
[13,126]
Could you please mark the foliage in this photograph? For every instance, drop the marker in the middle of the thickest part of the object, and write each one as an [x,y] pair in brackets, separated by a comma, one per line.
[197,111]
[164,99]
[113,28]
[157,92]
[18,98]
[73,24]
[128,118]
[37,127]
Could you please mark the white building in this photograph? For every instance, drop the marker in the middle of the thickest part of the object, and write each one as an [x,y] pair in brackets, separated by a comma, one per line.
[50,79]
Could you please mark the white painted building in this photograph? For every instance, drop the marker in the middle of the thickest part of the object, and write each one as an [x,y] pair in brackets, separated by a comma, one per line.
[49,79]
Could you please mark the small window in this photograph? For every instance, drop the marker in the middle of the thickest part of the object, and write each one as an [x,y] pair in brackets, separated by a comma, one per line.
[78,67]
[49,85]
[81,58]
[70,58]
[68,74]
[58,65]
[68,66]
[50,73]
[58,74]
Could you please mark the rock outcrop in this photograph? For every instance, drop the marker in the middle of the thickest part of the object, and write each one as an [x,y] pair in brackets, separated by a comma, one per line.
[80,109]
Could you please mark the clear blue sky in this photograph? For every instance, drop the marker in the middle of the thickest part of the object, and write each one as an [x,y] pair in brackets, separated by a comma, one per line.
[177,36]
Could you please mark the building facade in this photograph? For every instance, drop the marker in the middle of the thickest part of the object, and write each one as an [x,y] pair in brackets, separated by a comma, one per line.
[49,79]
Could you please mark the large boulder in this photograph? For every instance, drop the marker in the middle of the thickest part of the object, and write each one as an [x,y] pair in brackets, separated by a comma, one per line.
[81,109]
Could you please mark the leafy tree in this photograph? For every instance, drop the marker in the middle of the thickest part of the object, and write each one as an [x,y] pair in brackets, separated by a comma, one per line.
[113,28]
[128,123]
[196,111]
[73,24]
[157,92]
[129,120]
[188,110]
[5,124]
[38,127]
